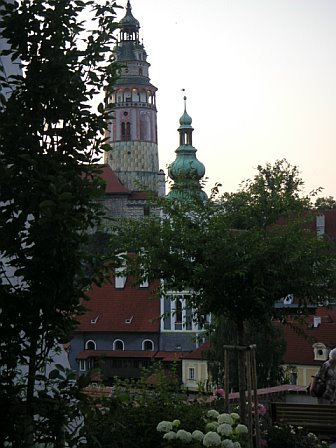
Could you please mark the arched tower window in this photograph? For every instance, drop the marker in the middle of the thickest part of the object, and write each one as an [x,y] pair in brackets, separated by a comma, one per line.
[118,344]
[90,345]
[143,97]
[145,127]
[147,345]
[125,131]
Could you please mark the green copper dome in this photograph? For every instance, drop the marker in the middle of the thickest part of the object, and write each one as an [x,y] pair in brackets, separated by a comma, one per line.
[129,21]
[186,171]
[185,120]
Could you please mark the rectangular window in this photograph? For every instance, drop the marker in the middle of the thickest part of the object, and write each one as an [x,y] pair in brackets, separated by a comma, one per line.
[191,373]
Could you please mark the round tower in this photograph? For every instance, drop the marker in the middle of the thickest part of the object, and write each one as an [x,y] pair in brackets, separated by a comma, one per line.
[133,131]
[186,171]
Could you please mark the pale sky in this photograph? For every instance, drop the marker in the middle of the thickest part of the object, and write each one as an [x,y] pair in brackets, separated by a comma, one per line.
[260,80]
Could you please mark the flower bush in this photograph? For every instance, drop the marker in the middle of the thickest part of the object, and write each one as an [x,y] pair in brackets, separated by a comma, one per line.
[287,436]
[215,430]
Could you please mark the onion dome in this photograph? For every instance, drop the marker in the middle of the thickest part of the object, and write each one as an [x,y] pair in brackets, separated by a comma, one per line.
[129,21]
[186,171]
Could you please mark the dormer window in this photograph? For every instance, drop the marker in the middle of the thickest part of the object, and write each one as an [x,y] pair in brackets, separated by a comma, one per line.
[320,352]
[118,345]
[90,345]
[147,345]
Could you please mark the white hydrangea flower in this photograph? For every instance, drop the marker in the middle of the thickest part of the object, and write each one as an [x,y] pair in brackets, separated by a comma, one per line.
[184,436]
[241,429]
[164,426]
[236,445]
[211,439]
[312,436]
[211,426]
[212,413]
[235,416]
[171,435]
[197,435]
[224,429]
[176,423]
[227,443]
[225,418]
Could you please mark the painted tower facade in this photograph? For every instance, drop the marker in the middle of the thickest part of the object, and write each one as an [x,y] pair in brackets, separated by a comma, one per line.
[133,132]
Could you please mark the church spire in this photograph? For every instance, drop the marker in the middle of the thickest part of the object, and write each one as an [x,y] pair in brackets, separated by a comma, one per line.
[186,171]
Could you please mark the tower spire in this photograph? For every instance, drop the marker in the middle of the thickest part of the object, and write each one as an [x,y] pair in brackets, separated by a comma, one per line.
[133,132]
[186,171]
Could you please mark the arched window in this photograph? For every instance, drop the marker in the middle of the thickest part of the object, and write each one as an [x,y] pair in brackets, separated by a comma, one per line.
[145,127]
[90,345]
[125,131]
[118,344]
[147,345]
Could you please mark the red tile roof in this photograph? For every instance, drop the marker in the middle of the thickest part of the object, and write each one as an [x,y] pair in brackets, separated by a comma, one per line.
[163,356]
[85,354]
[300,346]
[199,353]
[121,310]
[113,184]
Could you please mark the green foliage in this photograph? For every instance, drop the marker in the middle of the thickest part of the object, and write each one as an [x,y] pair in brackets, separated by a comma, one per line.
[239,252]
[270,348]
[130,417]
[325,203]
[50,143]
[292,437]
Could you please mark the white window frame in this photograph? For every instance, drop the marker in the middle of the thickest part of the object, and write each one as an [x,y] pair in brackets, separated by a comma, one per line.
[120,280]
[82,365]
[143,345]
[88,342]
[191,374]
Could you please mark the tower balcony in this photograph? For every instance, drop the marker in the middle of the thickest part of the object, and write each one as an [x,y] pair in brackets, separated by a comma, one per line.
[135,104]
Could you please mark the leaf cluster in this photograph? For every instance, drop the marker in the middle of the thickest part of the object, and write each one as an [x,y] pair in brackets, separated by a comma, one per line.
[50,142]
[240,252]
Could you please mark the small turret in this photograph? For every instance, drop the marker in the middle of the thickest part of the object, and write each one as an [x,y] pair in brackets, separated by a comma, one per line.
[186,171]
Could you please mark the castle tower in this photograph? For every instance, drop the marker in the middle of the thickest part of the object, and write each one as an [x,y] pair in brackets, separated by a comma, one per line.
[133,132]
[186,171]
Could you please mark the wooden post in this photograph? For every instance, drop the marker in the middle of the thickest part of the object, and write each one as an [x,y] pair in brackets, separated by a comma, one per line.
[226,380]
[250,373]
[249,397]
[255,397]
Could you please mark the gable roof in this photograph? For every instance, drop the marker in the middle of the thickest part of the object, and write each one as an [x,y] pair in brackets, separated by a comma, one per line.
[113,184]
[128,309]
[199,353]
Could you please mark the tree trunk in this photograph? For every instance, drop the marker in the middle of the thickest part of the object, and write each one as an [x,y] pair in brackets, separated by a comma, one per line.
[29,413]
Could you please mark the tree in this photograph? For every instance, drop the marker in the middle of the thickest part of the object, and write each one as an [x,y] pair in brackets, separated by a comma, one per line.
[50,143]
[238,253]
[270,348]
[325,203]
